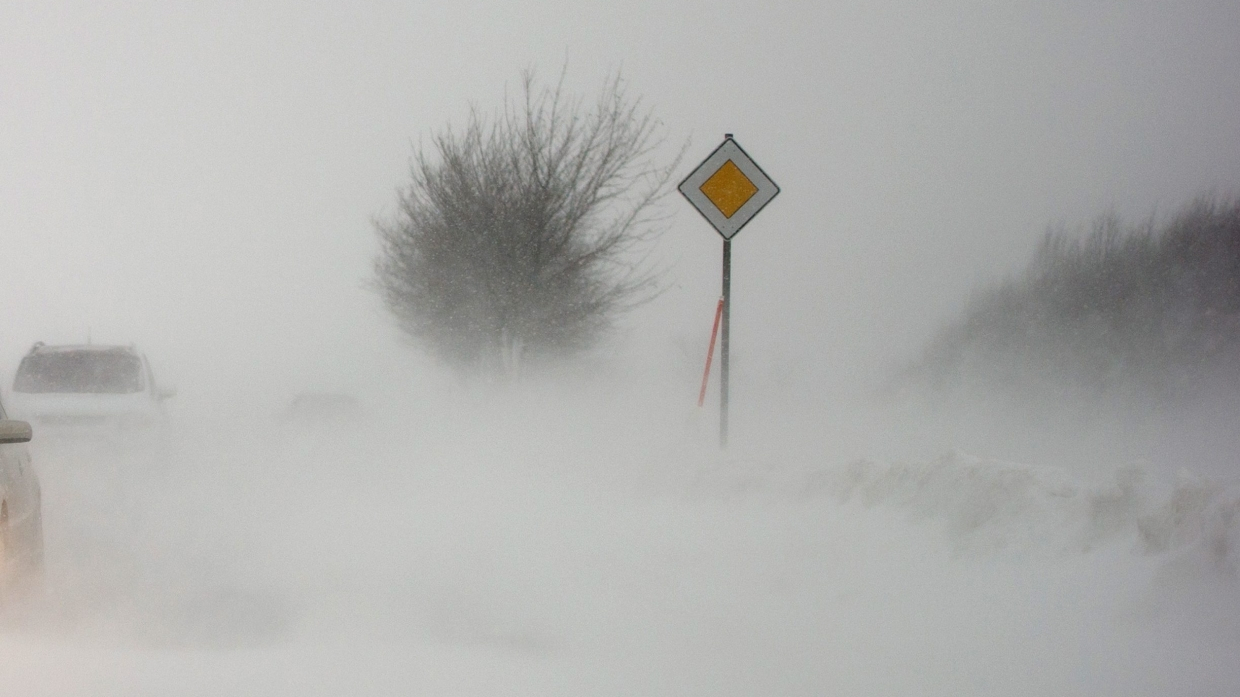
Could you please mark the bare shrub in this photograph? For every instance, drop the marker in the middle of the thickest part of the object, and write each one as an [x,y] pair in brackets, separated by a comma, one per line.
[525,234]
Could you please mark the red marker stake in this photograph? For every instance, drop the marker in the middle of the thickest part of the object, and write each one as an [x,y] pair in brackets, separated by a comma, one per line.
[710,352]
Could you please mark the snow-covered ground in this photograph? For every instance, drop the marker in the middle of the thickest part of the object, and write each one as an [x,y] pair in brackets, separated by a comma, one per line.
[537,547]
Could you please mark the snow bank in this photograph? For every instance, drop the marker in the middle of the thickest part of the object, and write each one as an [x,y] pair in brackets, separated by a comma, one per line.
[985,505]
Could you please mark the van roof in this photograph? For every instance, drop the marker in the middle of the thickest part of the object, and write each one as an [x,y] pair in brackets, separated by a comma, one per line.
[40,347]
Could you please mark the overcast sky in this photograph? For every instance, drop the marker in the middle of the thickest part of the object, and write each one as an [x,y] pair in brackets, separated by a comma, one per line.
[201,177]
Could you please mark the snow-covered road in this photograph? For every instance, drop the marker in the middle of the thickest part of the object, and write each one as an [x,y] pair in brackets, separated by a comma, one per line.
[495,557]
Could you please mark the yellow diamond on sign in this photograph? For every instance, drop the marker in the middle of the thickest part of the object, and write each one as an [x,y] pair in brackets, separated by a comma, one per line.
[728,189]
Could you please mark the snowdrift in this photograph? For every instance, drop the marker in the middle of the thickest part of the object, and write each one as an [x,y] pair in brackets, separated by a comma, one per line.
[987,505]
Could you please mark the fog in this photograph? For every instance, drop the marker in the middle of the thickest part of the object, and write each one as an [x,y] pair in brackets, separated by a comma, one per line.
[201,181]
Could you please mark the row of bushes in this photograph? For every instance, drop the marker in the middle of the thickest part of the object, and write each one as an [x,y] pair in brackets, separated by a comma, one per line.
[1149,307]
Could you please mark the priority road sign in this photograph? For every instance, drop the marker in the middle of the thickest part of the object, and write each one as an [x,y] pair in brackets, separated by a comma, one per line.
[728,188]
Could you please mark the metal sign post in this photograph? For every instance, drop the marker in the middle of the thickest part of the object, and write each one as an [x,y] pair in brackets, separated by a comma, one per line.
[728,189]
[724,342]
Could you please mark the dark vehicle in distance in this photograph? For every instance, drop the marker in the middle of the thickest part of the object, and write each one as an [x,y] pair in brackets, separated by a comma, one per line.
[311,409]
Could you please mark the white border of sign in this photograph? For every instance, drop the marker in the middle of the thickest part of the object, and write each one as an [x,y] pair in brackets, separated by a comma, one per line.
[691,188]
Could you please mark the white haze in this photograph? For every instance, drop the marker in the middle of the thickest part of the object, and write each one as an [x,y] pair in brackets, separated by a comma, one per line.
[200,180]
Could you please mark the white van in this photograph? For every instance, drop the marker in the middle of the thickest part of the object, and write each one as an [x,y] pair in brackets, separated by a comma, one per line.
[88,388]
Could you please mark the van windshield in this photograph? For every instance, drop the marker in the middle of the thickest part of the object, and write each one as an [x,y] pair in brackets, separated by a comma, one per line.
[98,372]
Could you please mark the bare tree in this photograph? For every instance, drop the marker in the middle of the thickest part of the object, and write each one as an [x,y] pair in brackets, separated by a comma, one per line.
[525,233]
[1149,308]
